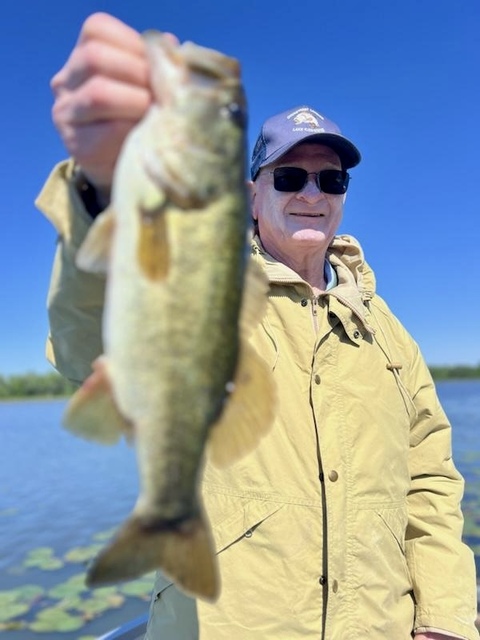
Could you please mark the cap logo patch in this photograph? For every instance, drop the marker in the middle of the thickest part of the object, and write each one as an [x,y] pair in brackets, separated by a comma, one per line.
[306,118]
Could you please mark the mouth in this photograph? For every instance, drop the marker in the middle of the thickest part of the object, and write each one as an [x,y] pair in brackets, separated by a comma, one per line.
[307,215]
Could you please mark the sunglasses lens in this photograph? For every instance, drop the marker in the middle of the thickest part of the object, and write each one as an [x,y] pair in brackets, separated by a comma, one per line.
[333,181]
[289,178]
[293,179]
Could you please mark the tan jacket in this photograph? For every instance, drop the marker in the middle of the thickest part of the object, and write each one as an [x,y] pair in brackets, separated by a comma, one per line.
[345,522]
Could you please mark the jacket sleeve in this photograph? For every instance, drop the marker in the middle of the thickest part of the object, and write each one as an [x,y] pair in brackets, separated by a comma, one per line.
[441,566]
[75,298]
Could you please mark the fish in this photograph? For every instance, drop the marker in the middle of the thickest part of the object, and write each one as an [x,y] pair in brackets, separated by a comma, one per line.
[178,377]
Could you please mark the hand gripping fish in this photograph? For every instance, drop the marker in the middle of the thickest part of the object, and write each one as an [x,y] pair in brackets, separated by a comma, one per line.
[178,375]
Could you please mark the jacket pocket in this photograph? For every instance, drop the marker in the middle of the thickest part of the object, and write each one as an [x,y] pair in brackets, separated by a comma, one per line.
[233,518]
[395,521]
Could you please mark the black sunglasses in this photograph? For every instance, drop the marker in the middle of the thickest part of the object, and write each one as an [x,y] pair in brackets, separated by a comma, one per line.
[292,179]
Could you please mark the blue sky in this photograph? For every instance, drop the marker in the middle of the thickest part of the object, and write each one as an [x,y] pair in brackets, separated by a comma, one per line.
[399,77]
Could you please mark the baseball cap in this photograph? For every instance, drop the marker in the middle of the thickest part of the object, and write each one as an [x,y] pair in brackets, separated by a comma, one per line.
[283,131]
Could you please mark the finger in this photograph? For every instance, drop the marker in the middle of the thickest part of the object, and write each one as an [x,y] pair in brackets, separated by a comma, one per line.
[101,99]
[103,26]
[96,58]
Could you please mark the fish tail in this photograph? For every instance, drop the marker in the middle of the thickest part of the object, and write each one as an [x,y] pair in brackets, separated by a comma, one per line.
[183,551]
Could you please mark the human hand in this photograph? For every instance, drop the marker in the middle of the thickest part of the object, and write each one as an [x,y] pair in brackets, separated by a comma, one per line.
[100,94]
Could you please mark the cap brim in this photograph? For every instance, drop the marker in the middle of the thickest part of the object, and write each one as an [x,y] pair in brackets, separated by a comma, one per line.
[347,152]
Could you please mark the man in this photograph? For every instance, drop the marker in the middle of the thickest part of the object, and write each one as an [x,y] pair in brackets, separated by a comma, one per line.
[345,522]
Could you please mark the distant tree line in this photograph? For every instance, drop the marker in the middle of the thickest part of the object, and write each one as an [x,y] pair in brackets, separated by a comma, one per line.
[30,385]
[456,372]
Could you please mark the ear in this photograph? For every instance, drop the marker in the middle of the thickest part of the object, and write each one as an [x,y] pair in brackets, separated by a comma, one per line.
[252,188]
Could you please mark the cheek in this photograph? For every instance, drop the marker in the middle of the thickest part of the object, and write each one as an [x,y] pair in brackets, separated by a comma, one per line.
[336,207]
[263,208]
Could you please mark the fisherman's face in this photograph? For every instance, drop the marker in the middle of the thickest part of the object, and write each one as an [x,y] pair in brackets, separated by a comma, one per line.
[290,223]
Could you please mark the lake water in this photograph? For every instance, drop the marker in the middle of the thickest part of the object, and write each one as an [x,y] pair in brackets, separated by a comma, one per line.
[58,492]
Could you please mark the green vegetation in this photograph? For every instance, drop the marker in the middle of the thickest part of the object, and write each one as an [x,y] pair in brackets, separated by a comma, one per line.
[67,605]
[34,385]
[456,372]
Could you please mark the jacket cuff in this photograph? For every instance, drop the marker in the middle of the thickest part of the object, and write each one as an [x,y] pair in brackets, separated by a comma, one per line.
[60,201]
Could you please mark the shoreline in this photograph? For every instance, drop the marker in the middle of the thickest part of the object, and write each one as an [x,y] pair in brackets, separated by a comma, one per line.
[65,396]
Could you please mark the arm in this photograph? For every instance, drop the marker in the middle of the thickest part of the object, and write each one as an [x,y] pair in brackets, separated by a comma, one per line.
[100,94]
[441,566]
[75,298]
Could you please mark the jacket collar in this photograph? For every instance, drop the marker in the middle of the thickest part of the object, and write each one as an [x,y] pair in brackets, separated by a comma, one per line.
[356,280]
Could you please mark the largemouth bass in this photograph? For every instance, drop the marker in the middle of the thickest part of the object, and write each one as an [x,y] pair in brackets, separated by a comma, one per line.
[178,375]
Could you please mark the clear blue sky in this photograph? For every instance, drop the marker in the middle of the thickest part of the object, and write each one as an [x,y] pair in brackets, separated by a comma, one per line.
[401,79]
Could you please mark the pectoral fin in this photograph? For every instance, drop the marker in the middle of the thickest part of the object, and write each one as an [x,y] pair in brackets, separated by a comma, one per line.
[92,413]
[153,248]
[94,253]
[255,297]
[249,411]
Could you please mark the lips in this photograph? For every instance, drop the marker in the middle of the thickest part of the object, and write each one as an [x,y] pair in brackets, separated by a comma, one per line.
[308,215]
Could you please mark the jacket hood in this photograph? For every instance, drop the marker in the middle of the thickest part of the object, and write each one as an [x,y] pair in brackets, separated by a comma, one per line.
[345,254]
[356,280]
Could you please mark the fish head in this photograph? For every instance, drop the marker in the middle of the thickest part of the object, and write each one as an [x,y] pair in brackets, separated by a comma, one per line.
[201,105]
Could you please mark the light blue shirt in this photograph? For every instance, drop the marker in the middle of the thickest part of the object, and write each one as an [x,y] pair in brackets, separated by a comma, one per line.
[330,274]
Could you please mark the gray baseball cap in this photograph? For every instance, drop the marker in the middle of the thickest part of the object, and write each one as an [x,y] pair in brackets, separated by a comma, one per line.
[283,131]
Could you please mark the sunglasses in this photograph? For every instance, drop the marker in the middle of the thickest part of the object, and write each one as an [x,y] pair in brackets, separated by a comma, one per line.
[292,179]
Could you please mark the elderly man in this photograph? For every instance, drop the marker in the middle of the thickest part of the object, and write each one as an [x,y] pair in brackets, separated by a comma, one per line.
[345,521]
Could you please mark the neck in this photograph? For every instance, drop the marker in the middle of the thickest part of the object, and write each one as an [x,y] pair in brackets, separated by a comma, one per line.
[310,266]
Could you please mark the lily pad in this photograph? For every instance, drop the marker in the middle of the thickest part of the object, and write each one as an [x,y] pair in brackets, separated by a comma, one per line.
[13,610]
[7,597]
[16,602]
[42,558]
[94,606]
[56,619]
[138,588]
[105,535]
[70,588]
[14,625]
[82,554]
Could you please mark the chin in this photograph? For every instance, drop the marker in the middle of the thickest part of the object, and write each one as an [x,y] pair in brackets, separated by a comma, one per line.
[311,236]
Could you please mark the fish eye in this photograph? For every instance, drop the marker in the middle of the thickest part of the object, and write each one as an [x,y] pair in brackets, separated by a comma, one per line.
[236,113]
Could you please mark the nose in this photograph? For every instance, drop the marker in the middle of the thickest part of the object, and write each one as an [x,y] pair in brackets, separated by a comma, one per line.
[311,191]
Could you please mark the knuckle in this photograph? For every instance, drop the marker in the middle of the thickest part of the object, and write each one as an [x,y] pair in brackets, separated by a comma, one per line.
[91,58]
[94,94]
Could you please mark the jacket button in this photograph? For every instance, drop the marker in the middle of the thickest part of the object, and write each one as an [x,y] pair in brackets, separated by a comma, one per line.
[333,475]
[317,379]
[322,580]
[248,534]
[334,586]
[304,302]
[356,334]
